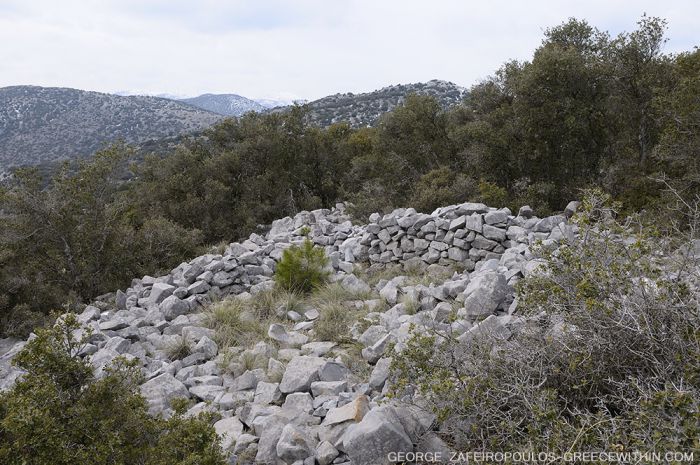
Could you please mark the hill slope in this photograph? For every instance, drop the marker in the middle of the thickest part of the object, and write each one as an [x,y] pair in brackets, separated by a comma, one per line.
[45,124]
[225,104]
[365,109]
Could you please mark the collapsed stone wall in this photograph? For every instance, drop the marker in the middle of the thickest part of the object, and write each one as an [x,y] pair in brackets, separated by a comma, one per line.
[318,411]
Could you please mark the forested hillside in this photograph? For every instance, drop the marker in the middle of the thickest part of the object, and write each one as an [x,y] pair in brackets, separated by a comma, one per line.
[42,125]
[365,109]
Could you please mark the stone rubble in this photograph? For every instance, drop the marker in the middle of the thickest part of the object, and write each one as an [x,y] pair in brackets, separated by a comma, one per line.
[303,405]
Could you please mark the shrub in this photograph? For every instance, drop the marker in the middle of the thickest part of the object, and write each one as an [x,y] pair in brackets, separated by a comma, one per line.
[302,268]
[610,354]
[59,413]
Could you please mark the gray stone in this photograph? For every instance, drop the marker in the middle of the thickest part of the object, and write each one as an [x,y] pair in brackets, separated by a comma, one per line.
[198,287]
[229,430]
[294,444]
[458,223]
[300,373]
[333,371]
[120,299]
[496,217]
[267,393]
[246,381]
[118,344]
[207,392]
[492,327]
[494,233]
[370,441]
[207,347]
[571,208]
[328,388]
[481,243]
[372,335]
[298,402]
[172,307]
[288,339]
[484,293]
[318,349]
[380,374]
[161,390]
[474,222]
[326,453]
[374,353]
[270,431]
[115,324]
[547,224]
[457,254]
[159,292]
[355,284]
[525,211]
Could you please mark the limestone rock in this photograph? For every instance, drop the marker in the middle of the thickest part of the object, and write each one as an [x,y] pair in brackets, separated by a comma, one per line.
[300,373]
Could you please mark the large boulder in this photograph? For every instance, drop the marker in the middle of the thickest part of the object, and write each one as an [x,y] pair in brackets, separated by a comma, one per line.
[228,429]
[484,293]
[295,444]
[271,427]
[301,371]
[161,390]
[172,307]
[159,292]
[370,441]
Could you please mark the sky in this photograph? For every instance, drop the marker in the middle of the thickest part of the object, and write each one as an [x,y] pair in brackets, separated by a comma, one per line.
[294,49]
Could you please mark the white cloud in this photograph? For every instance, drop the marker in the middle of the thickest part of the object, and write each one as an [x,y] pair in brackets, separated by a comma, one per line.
[303,48]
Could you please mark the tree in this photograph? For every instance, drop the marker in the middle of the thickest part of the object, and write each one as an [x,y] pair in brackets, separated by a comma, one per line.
[302,268]
[77,237]
[640,72]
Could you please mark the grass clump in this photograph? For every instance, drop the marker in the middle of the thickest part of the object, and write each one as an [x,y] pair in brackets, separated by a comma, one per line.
[337,311]
[178,349]
[275,302]
[410,304]
[302,268]
[233,324]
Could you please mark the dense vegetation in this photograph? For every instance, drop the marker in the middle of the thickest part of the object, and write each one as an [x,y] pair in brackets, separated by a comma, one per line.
[609,361]
[588,110]
[61,413]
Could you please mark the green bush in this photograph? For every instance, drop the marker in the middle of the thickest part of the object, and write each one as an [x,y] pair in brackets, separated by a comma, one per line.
[60,414]
[302,268]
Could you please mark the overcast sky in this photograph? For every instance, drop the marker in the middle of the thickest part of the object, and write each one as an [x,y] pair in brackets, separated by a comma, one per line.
[294,48]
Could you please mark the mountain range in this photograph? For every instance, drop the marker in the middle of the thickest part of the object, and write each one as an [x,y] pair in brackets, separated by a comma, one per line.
[44,125]
[47,124]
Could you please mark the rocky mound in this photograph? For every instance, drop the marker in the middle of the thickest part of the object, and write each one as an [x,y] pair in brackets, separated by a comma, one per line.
[299,400]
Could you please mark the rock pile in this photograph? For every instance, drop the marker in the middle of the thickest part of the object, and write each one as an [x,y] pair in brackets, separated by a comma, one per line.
[293,399]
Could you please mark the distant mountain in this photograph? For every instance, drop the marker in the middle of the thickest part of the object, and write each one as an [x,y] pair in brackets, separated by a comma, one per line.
[225,104]
[365,109]
[42,125]
[274,103]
